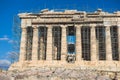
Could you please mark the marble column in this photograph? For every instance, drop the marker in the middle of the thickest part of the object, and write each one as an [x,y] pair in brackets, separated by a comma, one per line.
[108,44]
[63,43]
[94,56]
[78,43]
[119,41]
[23,45]
[35,44]
[49,43]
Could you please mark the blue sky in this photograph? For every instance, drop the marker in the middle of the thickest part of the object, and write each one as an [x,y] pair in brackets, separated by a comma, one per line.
[10,8]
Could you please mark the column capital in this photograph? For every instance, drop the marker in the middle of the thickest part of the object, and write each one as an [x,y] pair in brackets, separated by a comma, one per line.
[78,25]
[49,26]
[92,25]
[118,25]
[108,26]
[24,29]
[34,26]
[63,26]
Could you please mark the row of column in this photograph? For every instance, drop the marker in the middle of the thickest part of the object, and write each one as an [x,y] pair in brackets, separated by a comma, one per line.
[94,54]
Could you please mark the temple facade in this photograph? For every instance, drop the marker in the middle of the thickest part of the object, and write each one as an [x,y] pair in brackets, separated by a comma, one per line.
[69,39]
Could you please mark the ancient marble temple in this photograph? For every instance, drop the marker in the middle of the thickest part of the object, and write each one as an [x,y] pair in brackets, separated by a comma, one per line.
[71,39]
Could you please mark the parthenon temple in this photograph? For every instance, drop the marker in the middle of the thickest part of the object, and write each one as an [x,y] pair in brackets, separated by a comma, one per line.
[70,38]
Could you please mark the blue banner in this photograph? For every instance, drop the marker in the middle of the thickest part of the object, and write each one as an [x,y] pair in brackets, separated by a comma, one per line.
[71,39]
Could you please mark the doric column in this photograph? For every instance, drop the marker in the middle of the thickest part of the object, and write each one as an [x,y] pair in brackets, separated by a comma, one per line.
[23,45]
[119,41]
[63,43]
[35,44]
[78,43]
[94,56]
[49,43]
[108,44]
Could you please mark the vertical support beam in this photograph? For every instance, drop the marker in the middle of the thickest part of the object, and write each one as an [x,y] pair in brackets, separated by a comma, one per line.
[119,41]
[94,56]
[78,43]
[108,44]
[23,45]
[63,43]
[49,43]
[35,44]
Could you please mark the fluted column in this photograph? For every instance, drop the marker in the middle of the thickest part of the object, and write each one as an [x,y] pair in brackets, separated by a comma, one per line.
[49,43]
[78,43]
[63,43]
[23,45]
[108,44]
[94,56]
[35,44]
[119,41]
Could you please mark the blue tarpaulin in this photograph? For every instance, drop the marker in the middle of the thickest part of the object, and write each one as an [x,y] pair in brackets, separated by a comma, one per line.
[71,39]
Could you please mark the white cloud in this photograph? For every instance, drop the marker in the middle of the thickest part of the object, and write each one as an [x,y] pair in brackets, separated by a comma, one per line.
[4,38]
[11,41]
[5,62]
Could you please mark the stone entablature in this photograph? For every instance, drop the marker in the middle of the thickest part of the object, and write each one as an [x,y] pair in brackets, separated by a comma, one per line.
[72,16]
[45,39]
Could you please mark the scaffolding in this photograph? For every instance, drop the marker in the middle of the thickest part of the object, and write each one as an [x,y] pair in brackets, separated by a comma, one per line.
[100,36]
[56,32]
[42,32]
[16,33]
[85,35]
[16,39]
[70,33]
[114,42]
[71,43]
[29,43]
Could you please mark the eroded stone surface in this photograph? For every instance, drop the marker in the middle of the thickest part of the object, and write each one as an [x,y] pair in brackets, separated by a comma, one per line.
[59,74]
